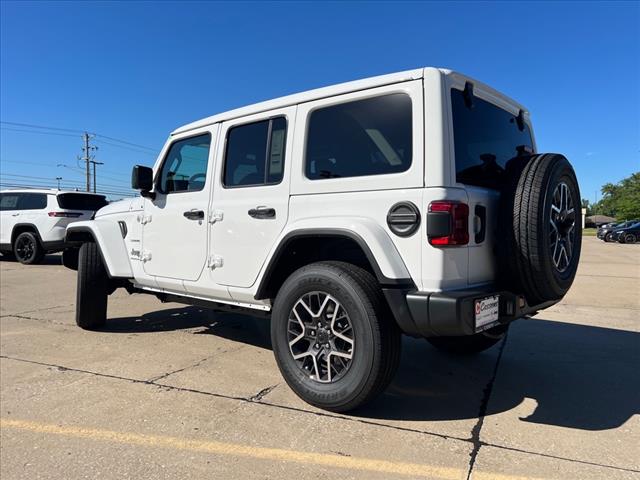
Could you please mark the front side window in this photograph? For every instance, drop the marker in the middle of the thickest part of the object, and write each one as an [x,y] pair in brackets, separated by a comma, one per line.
[255,153]
[32,201]
[486,139]
[364,137]
[8,201]
[185,166]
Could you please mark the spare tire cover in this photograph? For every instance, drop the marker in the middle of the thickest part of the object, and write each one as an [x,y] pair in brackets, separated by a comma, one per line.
[540,227]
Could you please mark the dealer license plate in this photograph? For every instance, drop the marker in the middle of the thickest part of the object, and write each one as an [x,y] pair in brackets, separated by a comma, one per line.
[487,311]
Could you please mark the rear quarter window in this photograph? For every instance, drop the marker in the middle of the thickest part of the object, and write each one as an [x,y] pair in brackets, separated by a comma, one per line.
[81,201]
[32,201]
[486,139]
[363,137]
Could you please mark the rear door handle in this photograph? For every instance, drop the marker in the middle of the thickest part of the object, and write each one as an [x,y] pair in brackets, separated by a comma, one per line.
[262,212]
[194,214]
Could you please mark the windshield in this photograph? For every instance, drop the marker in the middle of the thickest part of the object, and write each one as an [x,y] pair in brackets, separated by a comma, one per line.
[486,139]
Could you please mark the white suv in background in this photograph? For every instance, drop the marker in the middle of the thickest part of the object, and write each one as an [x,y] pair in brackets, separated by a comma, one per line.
[34,221]
[408,203]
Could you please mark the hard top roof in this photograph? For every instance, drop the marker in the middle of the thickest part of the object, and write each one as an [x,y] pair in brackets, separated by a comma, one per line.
[330,91]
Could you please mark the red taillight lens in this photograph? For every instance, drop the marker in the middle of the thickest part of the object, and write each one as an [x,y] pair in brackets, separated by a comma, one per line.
[65,214]
[448,223]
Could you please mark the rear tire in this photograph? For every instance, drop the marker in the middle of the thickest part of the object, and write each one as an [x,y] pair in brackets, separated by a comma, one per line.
[541,228]
[469,344]
[349,297]
[92,289]
[27,248]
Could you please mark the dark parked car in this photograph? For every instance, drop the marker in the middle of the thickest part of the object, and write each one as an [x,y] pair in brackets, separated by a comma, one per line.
[606,231]
[630,234]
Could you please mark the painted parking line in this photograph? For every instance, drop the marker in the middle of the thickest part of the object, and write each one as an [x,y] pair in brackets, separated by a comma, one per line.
[248,451]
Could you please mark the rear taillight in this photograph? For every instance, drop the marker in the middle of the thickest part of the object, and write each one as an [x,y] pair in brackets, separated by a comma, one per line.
[65,214]
[448,223]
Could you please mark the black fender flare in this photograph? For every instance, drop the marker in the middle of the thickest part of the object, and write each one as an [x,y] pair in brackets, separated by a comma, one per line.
[327,232]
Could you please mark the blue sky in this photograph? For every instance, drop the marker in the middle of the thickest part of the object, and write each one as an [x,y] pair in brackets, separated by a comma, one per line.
[135,71]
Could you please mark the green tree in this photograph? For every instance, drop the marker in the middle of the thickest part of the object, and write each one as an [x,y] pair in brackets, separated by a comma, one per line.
[622,199]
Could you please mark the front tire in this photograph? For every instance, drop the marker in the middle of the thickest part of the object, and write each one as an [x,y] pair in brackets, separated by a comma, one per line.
[27,249]
[92,289]
[608,237]
[334,338]
[629,238]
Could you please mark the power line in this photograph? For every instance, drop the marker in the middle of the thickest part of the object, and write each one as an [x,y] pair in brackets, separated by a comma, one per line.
[37,179]
[64,184]
[44,127]
[108,177]
[137,150]
[40,133]
[127,143]
[51,187]
[41,126]
[116,177]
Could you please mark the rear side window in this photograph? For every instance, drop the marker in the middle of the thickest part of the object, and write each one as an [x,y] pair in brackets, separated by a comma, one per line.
[486,139]
[364,137]
[255,153]
[8,201]
[81,201]
[185,166]
[32,201]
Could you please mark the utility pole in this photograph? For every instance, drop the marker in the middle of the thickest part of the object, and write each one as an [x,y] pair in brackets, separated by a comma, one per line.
[94,163]
[87,157]
[58,180]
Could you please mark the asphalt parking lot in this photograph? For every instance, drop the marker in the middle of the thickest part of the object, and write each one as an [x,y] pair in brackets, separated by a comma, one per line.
[168,391]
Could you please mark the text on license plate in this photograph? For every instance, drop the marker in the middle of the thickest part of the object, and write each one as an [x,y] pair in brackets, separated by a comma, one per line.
[487,310]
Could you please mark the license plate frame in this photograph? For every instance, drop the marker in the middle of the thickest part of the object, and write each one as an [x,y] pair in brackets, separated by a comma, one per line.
[486,312]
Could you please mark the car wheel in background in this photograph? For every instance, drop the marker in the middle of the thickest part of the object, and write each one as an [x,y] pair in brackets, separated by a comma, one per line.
[27,248]
[629,238]
[609,237]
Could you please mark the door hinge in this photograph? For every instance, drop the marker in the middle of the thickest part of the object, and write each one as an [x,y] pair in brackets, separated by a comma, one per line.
[216,216]
[215,261]
[146,256]
[144,219]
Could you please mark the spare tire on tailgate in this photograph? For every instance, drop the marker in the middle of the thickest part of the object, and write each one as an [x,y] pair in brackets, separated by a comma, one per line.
[540,227]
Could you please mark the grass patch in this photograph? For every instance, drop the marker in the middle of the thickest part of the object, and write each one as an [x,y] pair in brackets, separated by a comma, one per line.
[589,232]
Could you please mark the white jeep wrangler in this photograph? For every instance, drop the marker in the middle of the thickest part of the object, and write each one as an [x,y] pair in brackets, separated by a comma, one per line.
[407,203]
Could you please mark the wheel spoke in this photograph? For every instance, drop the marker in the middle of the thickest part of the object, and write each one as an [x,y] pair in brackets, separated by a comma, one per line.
[320,337]
[562,233]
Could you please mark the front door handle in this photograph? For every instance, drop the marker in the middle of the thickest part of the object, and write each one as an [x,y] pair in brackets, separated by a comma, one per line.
[262,212]
[194,214]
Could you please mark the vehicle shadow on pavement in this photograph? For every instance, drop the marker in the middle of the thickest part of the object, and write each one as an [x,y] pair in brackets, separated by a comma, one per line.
[581,376]
[47,260]
[232,326]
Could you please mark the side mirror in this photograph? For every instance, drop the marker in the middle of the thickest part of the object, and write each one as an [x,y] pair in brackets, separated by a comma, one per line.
[142,179]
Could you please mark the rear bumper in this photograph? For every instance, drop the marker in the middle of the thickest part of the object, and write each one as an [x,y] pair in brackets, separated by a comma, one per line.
[425,314]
